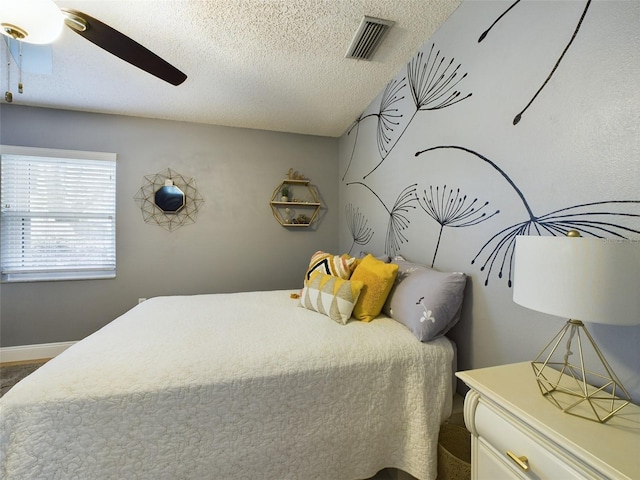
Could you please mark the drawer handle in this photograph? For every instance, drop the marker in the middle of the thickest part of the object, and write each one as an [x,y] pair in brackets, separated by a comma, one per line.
[521,461]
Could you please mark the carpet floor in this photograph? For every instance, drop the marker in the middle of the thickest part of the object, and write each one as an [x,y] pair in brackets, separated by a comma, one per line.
[10,374]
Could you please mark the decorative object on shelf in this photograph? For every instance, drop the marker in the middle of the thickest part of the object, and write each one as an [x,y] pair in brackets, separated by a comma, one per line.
[295,175]
[285,192]
[292,195]
[583,279]
[302,219]
[287,216]
[169,199]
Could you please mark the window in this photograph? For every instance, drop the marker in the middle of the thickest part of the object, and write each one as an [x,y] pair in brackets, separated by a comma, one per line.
[58,214]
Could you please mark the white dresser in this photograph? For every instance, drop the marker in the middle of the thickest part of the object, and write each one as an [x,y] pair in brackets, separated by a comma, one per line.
[517,433]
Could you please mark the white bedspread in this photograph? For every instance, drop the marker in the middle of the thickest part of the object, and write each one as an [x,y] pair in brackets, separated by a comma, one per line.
[230,386]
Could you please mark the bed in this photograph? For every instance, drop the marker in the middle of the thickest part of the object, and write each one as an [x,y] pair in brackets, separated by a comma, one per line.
[231,386]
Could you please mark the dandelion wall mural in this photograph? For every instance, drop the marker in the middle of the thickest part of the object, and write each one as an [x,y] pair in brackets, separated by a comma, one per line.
[518,117]
[597,219]
[452,209]
[398,219]
[357,224]
[443,180]
[432,83]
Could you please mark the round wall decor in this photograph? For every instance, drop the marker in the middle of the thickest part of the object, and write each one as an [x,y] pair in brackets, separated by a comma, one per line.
[169,199]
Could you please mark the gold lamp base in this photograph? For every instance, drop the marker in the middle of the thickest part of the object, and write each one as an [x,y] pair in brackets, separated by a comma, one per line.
[571,387]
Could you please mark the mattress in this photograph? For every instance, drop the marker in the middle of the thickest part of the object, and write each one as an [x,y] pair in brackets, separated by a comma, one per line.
[231,386]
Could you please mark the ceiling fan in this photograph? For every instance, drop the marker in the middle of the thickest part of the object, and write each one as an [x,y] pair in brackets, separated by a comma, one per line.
[42,21]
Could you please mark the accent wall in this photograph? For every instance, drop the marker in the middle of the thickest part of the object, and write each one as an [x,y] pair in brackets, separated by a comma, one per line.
[515,118]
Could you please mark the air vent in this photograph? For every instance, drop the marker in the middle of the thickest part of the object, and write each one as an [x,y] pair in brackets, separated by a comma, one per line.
[368,37]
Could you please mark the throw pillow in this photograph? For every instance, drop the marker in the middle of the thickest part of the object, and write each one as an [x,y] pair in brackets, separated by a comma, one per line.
[378,278]
[331,296]
[336,265]
[425,300]
[383,258]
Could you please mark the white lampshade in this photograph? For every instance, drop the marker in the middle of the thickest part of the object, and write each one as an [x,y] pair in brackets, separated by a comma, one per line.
[584,280]
[589,279]
[41,21]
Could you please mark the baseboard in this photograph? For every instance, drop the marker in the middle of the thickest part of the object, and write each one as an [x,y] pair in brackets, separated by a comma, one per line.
[32,352]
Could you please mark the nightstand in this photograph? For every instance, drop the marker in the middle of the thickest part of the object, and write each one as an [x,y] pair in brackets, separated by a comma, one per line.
[517,433]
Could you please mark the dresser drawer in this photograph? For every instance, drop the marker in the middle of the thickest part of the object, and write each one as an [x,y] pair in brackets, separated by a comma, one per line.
[505,411]
[505,435]
[490,465]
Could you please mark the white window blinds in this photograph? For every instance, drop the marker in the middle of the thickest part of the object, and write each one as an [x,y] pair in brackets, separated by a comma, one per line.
[58,214]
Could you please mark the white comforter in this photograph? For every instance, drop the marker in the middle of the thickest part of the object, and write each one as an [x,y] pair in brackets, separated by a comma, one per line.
[230,386]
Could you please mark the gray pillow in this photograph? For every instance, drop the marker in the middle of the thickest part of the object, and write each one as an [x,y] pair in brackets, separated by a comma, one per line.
[425,300]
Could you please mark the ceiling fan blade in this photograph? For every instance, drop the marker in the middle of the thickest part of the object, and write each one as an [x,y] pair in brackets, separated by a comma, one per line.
[121,46]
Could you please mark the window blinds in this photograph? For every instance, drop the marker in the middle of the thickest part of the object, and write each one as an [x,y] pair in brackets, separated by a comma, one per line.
[57,216]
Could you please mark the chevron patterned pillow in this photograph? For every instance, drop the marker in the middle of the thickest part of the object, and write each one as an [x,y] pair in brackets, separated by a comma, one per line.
[337,265]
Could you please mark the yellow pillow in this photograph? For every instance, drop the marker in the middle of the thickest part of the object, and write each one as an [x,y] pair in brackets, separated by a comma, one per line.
[378,278]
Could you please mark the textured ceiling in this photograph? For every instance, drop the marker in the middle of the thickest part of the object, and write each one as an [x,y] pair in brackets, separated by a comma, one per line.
[267,64]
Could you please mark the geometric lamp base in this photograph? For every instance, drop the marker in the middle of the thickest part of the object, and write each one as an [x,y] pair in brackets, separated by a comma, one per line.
[570,387]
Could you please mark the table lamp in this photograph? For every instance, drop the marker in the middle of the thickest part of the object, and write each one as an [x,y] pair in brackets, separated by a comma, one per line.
[583,279]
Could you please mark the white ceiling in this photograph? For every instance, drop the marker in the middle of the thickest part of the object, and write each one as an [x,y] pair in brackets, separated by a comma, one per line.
[268,64]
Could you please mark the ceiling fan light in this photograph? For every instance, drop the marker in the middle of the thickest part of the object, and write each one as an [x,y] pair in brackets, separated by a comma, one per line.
[31,21]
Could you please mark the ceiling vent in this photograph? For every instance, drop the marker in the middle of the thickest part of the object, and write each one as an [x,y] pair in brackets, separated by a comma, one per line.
[368,37]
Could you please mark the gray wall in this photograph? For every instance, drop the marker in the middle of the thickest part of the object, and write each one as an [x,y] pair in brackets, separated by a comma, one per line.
[235,244]
[569,162]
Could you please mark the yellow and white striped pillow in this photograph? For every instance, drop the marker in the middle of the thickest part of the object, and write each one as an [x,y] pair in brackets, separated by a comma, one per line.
[331,296]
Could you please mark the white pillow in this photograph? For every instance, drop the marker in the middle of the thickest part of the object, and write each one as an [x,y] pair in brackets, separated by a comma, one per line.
[331,296]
